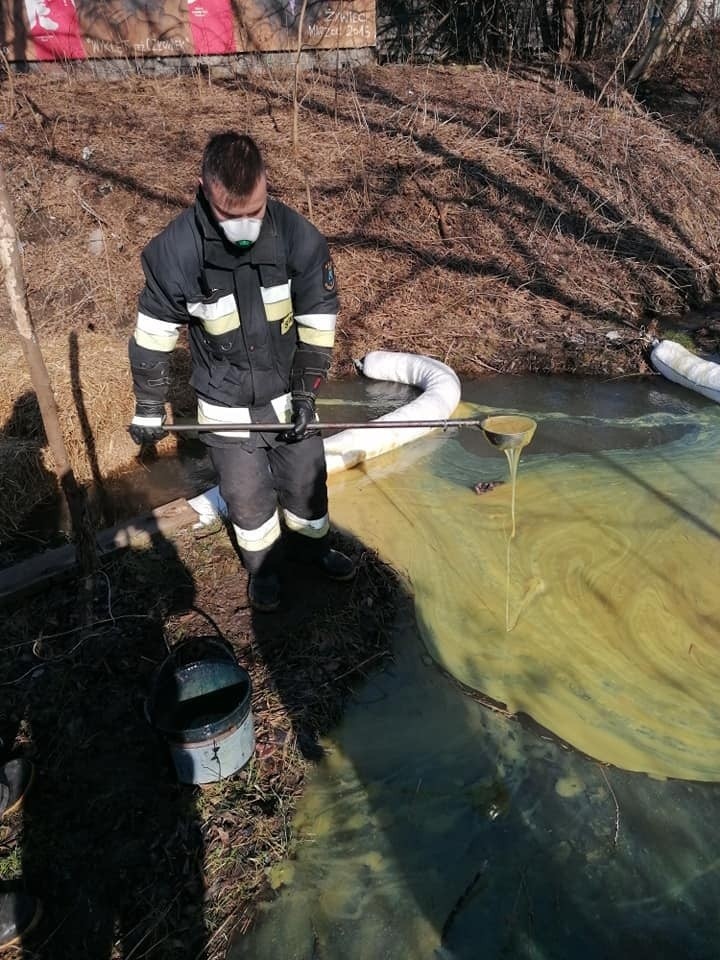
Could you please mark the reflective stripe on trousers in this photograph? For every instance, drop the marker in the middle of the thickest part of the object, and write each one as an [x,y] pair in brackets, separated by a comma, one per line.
[260,476]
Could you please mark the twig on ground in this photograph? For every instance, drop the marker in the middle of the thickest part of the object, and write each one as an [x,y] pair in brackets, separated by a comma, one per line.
[617,806]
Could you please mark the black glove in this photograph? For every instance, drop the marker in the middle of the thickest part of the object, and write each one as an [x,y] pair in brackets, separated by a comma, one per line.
[303,410]
[146,426]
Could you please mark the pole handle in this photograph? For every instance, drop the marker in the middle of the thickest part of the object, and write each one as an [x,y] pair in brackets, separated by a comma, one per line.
[279,427]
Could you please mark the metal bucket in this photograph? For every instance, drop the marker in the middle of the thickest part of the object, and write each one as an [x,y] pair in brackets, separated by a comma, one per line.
[202,709]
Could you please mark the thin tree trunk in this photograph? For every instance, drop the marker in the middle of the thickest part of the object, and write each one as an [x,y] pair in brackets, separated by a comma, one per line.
[296,81]
[675,21]
[568,26]
[296,107]
[11,260]
[544,24]
[621,59]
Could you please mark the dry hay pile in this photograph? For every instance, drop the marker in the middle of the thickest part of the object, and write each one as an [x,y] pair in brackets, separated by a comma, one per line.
[24,482]
[498,220]
[91,383]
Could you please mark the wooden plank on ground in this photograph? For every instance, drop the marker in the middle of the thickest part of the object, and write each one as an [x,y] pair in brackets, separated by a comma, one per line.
[141,532]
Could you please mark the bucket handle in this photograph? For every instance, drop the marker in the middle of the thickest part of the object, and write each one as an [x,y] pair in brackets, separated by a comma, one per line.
[220,643]
[206,617]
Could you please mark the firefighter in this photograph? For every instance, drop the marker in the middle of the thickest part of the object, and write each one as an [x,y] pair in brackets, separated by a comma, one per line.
[255,284]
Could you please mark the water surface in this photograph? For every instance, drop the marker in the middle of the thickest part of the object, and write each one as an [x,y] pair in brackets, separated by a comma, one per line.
[579,821]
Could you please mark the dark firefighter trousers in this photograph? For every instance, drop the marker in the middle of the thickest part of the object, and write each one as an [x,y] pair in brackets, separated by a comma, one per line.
[265,476]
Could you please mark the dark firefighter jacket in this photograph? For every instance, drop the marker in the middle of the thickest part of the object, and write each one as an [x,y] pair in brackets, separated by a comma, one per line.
[261,322]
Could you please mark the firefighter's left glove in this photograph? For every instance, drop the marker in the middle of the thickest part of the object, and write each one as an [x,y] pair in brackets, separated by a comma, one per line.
[147,424]
[303,416]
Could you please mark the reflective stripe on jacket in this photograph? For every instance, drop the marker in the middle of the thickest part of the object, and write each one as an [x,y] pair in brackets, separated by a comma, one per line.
[261,322]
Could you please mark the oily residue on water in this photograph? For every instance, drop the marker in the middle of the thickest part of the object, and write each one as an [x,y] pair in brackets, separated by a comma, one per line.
[436,828]
[610,600]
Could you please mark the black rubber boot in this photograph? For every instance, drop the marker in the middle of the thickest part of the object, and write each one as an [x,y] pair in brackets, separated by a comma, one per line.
[19,912]
[264,592]
[16,776]
[337,566]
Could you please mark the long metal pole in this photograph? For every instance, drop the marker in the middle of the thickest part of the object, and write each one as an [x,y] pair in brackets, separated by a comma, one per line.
[279,427]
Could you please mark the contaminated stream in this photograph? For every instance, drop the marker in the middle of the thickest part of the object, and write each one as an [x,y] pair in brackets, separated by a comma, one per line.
[543,784]
[535,774]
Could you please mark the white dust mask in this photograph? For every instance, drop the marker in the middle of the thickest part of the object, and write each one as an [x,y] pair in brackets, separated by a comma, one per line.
[243,231]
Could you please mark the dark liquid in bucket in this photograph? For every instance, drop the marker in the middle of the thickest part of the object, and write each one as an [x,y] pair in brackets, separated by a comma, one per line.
[206,709]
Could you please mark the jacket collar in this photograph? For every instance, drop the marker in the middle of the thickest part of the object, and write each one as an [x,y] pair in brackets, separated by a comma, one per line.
[217,252]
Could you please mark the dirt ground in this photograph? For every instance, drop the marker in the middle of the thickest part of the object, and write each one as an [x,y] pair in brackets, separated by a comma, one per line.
[501,220]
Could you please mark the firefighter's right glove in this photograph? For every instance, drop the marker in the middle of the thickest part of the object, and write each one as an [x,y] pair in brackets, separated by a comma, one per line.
[147,424]
[303,415]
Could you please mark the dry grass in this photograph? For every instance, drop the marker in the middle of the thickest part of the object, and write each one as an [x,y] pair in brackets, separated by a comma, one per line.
[25,483]
[498,220]
[458,202]
[91,382]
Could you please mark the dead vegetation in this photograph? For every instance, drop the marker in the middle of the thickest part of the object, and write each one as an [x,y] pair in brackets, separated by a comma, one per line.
[502,221]
[466,208]
[89,374]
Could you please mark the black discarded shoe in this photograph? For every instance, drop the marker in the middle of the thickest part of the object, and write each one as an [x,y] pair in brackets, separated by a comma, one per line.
[264,592]
[19,912]
[16,777]
[337,566]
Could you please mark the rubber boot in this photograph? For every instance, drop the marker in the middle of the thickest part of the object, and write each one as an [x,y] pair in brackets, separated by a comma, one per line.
[336,565]
[16,776]
[264,592]
[19,913]
[264,583]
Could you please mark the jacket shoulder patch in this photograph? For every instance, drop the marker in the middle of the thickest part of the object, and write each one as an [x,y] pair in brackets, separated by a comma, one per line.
[328,279]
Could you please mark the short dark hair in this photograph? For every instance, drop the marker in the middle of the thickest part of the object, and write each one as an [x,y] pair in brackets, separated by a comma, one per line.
[234,161]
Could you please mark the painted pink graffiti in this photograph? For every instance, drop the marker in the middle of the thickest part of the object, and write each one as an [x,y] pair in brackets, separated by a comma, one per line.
[54,29]
[211,24]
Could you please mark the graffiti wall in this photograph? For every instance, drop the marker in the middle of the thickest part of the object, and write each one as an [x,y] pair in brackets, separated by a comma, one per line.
[81,29]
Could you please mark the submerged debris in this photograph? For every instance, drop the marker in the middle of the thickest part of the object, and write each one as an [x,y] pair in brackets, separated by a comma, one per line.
[485,486]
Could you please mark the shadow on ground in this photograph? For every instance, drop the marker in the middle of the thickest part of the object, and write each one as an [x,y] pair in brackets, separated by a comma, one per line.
[110,842]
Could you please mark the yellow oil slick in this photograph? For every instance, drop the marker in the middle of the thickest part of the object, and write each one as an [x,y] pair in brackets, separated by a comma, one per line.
[281,874]
[511,434]
[513,458]
[613,605]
